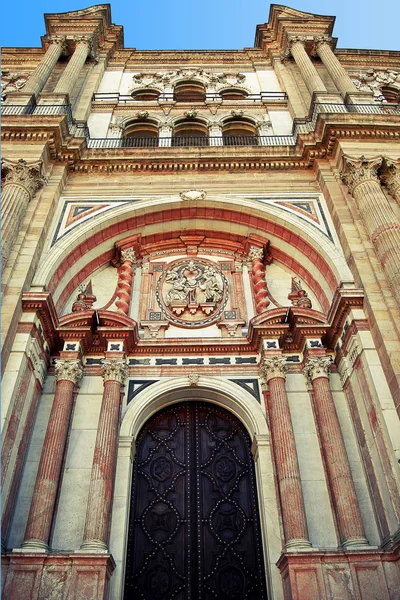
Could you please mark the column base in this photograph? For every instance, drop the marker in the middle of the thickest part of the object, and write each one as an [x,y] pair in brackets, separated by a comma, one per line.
[20,99]
[33,546]
[94,547]
[359,98]
[355,543]
[294,545]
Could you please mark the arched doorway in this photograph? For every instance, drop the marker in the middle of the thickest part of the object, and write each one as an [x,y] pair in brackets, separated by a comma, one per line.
[194,529]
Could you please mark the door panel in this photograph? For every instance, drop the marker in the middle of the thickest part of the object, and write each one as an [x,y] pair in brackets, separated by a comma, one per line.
[194,531]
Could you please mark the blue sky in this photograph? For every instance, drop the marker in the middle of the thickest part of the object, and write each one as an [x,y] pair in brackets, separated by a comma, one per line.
[207,24]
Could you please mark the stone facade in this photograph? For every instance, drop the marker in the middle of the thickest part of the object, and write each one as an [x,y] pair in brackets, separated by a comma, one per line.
[204,226]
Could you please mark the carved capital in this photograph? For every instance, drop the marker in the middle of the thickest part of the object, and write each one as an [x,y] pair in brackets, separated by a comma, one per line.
[128,255]
[272,367]
[390,175]
[23,174]
[69,370]
[59,40]
[115,370]
[256,253]
[317,366]
[359,170]
[302,39]
[318,41]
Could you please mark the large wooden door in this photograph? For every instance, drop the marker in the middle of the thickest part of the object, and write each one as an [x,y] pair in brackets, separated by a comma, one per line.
[194,532]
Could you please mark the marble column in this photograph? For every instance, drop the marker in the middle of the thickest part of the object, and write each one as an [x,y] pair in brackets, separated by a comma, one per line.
[40,75]
[309,73]
[21,183]
[126,275]
[337,466]
[71,72]
[338,73]
[101,489]
[284,446]
[257,273]
[381,222]
[390,177]
[68,373]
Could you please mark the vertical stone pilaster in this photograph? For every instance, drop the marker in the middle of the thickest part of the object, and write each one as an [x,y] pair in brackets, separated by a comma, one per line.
[21,183]
[40,75]
[337,466]
[68,373]
[284,446]
[125,280]
[71,72]
[338,73]
[383,226]
[260,289]
[309,73]
[101,489]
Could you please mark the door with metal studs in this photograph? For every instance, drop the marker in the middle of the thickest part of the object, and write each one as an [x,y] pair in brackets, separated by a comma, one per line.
[194,531]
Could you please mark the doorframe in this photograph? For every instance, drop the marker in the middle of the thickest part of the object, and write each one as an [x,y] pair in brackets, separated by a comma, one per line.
[234,399]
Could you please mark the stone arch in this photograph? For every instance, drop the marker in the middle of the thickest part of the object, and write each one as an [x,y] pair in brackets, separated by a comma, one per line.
[223,393]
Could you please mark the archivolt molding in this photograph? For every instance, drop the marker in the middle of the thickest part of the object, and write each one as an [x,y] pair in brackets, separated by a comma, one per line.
[209,389]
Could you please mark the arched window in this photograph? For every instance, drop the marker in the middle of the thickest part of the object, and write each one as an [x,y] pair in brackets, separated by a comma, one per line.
[239,132]
[391,94]
[189,91]
[190,133]
[141,134]
[233,94]
[146,95]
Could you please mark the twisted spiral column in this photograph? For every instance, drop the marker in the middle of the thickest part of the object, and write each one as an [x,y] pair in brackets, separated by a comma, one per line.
[340,481]
[260,288]
[287,467]
[125,280]
[68,373]
[381,222]
[101,489]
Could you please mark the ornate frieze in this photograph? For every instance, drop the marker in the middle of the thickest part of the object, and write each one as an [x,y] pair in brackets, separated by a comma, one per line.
[373,81]
[115,370]
[274,366]
[359,170]
[12,82]
[23,174]
[70,370]
[317,366]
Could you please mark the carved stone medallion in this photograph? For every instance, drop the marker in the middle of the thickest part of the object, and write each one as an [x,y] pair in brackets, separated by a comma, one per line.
[192,293]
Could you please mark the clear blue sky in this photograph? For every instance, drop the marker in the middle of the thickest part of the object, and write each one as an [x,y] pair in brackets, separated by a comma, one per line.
[207,24]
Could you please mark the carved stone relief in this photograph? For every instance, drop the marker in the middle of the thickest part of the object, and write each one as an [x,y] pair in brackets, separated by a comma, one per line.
[372,81]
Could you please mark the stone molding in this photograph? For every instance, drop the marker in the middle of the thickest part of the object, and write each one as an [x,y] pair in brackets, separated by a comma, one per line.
[359,170]
[272,367]
[68,370]
[115,370]
[23,174]
[317,366]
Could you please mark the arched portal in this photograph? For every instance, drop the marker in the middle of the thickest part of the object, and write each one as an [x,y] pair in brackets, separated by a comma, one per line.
[194,528]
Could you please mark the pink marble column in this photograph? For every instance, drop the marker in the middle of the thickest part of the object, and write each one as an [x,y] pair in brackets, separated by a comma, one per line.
[260,289]
[337,466]
[284,446]
[68,373]
[125,280]
[101,489]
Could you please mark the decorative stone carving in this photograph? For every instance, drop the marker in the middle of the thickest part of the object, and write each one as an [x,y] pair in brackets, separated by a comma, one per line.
[59,40]
[317,366]
[192,293]
[190,114]
[272,367]
[358,170]
[318,40]
[70,370]
[26,175]
[372,81]
[255,253]
[12,82]
[193,379]
[142,114]
[298,296]
[115,370]
[193,195]
[128,254]
[390,175]
[237,113]
[85,298]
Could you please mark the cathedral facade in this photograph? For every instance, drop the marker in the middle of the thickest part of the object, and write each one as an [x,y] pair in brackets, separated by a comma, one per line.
[201,317]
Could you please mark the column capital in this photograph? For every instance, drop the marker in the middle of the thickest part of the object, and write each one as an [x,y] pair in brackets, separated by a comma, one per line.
[318,41]
[390,174]
[59,40]
[359,170]
[317,366]
[24,174]
[128,255]
[68,370]
[273,367]
[255,253]
[115,370]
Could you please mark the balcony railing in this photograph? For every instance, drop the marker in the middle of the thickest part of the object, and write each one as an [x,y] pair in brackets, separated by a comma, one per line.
[117,98]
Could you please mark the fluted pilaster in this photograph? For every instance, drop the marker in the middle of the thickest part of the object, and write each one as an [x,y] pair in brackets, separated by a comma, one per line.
[101,489]
[340,481]
[68,373]
[40,75]
[309,73]
[71,72]
[21,183]
[287,467]
[260,289]
[125,280]
[335,69]
[382,224]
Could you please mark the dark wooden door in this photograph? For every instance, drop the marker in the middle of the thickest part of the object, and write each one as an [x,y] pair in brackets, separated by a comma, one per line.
[194,532]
